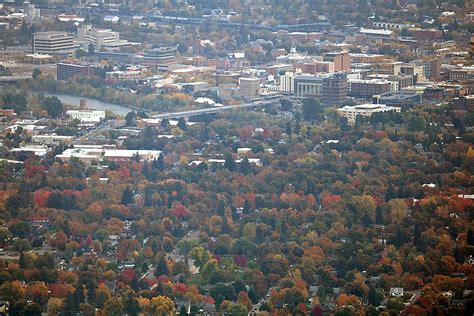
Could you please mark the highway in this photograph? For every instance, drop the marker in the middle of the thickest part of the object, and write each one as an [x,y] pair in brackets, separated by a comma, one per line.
[212,110]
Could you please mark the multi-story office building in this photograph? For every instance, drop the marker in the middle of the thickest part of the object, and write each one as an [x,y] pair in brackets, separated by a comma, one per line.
[425,34]
[368,88]
[159,56]
[65,71]
[316,66]
[402,80]
[100,38]
[308,86]
[334,90]
[249,87]
[460,74]
[287,82]
[341,60]
[351,112]
[53,43]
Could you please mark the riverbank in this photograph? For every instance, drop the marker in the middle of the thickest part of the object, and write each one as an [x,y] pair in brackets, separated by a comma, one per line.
[93,103]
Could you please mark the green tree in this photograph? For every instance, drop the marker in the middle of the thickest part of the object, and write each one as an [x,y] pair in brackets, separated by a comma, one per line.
[53,106]
[229,162]
[200,255]
[36,73]
[182,124]
[312,110]
[237,310]
[245,167]
[162,267]
[130,118]
[127,196]
[15,101]
[16,202]
[91,49]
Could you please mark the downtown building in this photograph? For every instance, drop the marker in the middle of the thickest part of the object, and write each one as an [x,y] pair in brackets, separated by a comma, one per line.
[368,88]
[66,71]
[341,60]
[249,87]
[60,43]
[334,89]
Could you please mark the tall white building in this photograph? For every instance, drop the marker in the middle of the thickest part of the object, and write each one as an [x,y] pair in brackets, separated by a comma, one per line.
[351,112]
[100,38]
[53,43]
[287,82]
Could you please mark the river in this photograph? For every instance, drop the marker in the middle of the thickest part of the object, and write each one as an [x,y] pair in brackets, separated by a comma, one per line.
[92,103]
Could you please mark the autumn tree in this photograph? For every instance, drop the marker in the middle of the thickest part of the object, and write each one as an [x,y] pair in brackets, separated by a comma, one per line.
[162,305]
[113,306]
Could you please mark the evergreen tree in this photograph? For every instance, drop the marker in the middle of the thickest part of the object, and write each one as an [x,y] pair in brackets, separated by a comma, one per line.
[390,193]
[246,207]
[229,162]
[182,124]
[165,123]
[225,226]
[130,119]
[417,236]
[36,73]
[127,196]
[245,166]
[183,311]
[159,164]
[458,255]
[161,267]
[146,171]
[470,237]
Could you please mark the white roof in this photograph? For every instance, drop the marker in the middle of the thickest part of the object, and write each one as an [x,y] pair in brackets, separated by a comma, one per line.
[375,32]
[204,100]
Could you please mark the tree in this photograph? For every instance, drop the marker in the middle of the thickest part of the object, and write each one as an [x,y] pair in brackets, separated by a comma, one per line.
[162,305]
[130,119]
[127,196]
[237,310]
[364,208]
[182,124]
[470,236]
[113,306]
[286,105]
[162,267]
[91,49]
[245,166]
[390,193]
[53,106]
[316,310]
[159,164]
[397,209]
[312,110]
[55,306]
[36,73]
[165,123]
[200,255]
[229,161]
[374,297]
[102,295]
[16,202]
[15,101]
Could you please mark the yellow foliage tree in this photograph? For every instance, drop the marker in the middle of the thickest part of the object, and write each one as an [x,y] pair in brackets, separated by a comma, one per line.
[162,305]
